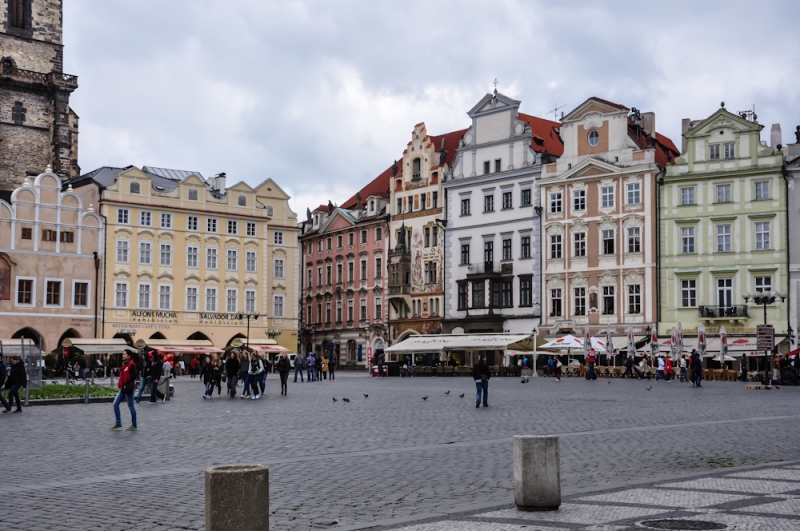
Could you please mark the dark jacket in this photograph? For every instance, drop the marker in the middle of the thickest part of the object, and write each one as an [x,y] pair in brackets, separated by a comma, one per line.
[17,376]
[3,372]
[156,368]
[697,363]
[283,365]
[207,373]
[232,367]
[481,370]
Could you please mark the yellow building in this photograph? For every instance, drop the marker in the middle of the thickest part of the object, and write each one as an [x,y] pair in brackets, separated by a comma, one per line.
[188,258]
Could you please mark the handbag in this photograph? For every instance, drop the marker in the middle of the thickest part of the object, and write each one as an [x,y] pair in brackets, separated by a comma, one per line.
[224,377]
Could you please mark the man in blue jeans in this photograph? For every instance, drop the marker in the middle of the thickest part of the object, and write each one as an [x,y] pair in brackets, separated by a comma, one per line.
[481,374]
[127,380]
[298,367]
[146,380]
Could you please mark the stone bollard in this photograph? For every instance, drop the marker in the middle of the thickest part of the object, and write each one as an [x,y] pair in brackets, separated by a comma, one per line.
[537,476]
[237,498]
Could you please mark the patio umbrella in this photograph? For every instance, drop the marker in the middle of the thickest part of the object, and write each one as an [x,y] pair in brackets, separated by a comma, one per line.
[567,341]
[701,339]
[610,345]
[723,345]
[631,341]
[587,340]
[673,345]
[679,346]
[654,340]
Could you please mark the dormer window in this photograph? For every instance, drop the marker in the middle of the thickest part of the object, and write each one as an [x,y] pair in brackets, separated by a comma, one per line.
[372,205]
[416,168]
[192,194]
[594,137]
[242,200]
[135,188]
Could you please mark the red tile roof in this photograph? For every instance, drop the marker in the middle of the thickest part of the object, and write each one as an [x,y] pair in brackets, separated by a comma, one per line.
[451,141]
[321,207]
[665,149]
[545,135]
[378,187]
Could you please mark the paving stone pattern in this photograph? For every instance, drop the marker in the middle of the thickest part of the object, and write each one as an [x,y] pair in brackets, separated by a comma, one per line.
[389,456]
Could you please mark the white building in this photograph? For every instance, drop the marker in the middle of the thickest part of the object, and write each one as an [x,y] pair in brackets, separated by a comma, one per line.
[493,277]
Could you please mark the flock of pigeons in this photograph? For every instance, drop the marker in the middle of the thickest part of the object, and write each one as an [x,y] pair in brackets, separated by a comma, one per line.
[367,396]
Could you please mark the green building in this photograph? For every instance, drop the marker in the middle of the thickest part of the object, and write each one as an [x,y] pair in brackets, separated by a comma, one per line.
[722,231]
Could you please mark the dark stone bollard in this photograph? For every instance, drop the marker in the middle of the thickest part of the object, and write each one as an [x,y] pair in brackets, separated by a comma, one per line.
[537,473]
[237,498]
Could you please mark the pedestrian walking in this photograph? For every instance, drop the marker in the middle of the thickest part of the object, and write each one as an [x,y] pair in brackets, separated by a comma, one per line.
[628,363]
[128,374]
[284,367]
[244,373]
[324,368]
[380,365]
[232,373]
[216,372]
[298,366]
[256,368]
[311,361]
[194,363]
[557,368]
[682,365]
[145,379]
[591,359]
[156,373]
[17,379]
[332,367]
[3,375]
[660,371]
[405,373]
[207,375]
[267,368]
[697,369]
[743,363]
[668,369]
[481,374]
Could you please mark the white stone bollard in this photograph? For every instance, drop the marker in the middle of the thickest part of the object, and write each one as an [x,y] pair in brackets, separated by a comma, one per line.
[237,498]
[537,473]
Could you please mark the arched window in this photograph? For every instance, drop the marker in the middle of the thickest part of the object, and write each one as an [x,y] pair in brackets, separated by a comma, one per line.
[5,279]
[371,205]
[416,167]
[135,188]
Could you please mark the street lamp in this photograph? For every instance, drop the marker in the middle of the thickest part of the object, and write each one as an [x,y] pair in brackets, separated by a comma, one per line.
[272,334]
[535,354]
[764,298]
[248,316]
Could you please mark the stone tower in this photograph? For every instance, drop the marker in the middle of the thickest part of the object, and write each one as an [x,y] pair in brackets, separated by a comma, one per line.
[37,126]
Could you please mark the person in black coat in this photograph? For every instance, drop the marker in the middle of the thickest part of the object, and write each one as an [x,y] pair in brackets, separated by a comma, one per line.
[284,367]
[232,370]
[481,374]
[207,374]
[16,379]
[156,371]
[3,375]
[697,369]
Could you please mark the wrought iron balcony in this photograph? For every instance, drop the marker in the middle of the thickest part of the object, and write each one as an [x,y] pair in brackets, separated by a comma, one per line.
[723,312]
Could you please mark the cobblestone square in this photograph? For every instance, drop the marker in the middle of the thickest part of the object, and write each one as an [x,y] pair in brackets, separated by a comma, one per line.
[393,455]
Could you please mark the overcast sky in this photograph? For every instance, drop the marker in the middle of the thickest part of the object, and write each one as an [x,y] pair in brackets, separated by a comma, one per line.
[322,96]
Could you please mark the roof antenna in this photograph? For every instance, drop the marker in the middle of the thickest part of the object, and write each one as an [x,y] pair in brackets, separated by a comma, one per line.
[554,112]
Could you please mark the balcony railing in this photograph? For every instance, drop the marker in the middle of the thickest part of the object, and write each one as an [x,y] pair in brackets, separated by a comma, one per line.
[400,290]
[723,312]
[50,78]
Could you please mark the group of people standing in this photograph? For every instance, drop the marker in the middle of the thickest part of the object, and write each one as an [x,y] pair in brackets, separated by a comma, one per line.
[317,368]
[249,368]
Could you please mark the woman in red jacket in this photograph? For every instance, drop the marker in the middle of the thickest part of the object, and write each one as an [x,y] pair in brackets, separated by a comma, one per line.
[127,382]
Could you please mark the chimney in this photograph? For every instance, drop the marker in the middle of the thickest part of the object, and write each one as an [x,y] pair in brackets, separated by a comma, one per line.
[775,137]
[649,123]
[686,124]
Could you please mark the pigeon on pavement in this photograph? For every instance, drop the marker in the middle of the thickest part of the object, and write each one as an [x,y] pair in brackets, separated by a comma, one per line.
[366,395]
[346,399]
[334,399]
[447,392]
[649,387]
[461,395]
[424,397]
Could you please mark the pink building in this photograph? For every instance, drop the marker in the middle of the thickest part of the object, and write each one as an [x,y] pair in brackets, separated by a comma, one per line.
[343,295]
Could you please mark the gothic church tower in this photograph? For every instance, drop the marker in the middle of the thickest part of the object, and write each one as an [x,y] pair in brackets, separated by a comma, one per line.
[37,126]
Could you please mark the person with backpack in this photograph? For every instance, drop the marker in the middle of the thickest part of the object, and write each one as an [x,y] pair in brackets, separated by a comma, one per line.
[256,368]
[128,374]
[17,378]
[481,374]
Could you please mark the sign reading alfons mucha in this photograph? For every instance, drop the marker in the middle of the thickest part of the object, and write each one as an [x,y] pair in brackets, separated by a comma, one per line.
[153,316]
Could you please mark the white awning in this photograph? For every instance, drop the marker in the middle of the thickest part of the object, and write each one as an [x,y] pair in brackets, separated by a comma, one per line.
[14,347]
[439,343]
[187,346]
[97,346]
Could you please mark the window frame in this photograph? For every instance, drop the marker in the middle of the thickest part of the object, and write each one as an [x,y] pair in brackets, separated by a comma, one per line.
[168,293]
[88,285]
[148,293]
[162,252]
[764,242]
[688,292]
[32,303]
[688,240]
[634,189]
[187,294]
[125,293]
[166,220]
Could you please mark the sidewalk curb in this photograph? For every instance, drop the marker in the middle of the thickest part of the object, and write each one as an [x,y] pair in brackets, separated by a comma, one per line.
[66,401]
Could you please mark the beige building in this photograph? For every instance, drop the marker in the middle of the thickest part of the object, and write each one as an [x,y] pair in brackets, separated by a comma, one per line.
[51,259]
[188,258]
[599,220]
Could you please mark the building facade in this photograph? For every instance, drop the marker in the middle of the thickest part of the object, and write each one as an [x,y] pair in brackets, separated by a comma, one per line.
[492,271]
[188,257]
[51,259]
[344,283]
[793,203]
[599,216]
[723,230]
[37,126]
[416,262]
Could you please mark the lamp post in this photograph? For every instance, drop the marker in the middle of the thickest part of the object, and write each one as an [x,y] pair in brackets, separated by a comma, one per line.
[535,355]
[248,316]
[764,298]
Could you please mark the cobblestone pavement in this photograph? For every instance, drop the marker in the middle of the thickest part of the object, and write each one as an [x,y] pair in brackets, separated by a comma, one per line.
[389,456]
[760,499]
